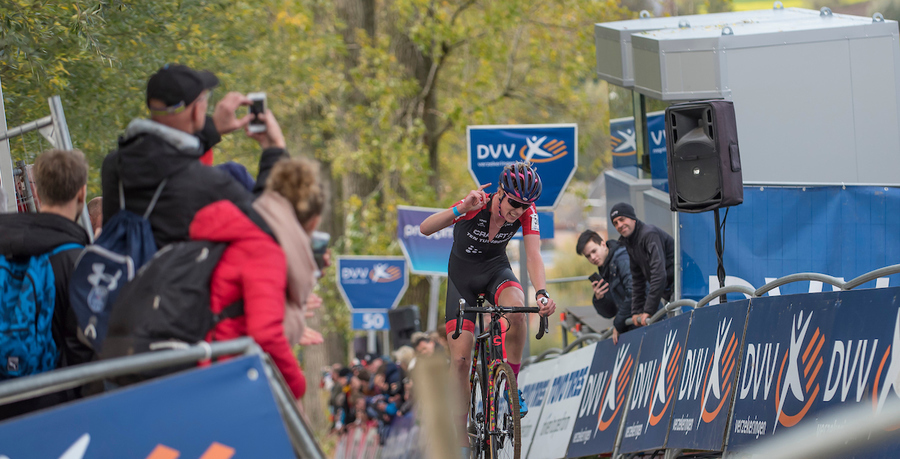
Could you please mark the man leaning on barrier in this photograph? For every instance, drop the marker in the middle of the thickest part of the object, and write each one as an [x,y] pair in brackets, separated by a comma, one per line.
[652,255]
[612,282]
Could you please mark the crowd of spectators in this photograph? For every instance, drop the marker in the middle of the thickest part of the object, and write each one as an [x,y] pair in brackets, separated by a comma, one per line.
[165,163]
[376,390]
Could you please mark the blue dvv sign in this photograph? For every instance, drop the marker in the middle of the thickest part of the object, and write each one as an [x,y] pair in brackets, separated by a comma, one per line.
[426,254]
[551,148]
[368,282]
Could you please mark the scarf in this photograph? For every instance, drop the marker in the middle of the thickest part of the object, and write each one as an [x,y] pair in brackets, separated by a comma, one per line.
[301,266]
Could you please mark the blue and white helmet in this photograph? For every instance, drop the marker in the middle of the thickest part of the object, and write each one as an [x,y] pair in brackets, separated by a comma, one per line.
[521,182]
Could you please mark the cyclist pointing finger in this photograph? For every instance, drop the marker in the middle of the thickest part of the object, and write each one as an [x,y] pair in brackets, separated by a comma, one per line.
[485,223]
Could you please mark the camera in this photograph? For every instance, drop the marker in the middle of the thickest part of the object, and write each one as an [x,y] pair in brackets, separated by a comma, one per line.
[257,107]
[320,241]
[595,277]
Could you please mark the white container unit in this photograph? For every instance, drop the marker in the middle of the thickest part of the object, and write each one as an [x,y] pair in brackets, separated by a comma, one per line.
[613,39]
[816,98]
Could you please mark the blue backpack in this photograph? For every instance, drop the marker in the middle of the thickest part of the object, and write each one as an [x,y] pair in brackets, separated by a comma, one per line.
[27,300]
[125,244]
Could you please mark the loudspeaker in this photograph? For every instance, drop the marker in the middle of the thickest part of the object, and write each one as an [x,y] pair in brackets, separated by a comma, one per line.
[704,159]
[404,322]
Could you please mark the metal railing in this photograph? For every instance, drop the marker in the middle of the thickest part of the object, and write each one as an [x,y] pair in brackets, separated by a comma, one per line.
[674,307]
[301,437]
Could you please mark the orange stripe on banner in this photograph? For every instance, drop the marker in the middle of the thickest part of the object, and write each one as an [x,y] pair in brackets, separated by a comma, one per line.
[625,370]
[164,452]
[729,350]
[887,352]
[814,355]
[551,143]
[813,377]
[729,366]
[673,360]
[218,451]
[559,149]
[812,343]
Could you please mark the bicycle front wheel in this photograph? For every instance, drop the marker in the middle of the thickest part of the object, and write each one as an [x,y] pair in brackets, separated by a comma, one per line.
[476,425]
[505,438]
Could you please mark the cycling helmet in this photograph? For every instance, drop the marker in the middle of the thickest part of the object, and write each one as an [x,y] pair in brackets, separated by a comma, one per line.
[520,181]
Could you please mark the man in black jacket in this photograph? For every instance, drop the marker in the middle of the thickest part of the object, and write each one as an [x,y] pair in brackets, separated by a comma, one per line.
[652,253]
[169,146]
[612,292]
[61,180]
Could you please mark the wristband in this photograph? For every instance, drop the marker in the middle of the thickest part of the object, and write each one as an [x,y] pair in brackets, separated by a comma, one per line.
[456,212]
[541,292]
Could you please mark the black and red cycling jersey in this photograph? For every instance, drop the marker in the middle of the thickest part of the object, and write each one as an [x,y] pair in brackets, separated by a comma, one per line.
[479,265]
[470,235]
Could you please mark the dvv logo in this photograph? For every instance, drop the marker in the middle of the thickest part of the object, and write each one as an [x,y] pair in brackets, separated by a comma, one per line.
[540,150]
[664,386]
[798,359]
[615,390]
[722,362]
[383,272]
[623,142]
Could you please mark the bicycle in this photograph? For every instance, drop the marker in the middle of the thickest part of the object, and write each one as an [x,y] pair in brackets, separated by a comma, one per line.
[499,431]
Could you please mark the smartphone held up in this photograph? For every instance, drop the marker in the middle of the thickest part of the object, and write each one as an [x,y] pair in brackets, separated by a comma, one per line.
[257,107]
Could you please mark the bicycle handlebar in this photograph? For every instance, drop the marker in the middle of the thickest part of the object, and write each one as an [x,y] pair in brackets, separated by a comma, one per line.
[543,328]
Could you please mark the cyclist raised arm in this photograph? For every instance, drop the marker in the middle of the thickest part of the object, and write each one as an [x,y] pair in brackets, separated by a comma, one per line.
[485,223]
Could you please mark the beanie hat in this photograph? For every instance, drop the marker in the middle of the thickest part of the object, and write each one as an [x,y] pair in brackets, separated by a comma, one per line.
[622,209]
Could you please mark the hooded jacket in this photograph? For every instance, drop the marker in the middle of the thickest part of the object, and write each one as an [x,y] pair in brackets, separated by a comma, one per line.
[616,271]
[652,253]
[252,268]
[150,152]
[27,235]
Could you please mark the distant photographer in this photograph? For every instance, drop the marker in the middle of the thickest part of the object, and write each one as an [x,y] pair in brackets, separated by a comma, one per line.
[612,281]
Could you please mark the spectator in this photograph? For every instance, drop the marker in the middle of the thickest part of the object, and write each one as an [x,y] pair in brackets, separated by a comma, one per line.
[169,145]
[292,206]
[424,345]
[405,356]
[652,256]
[61,180]
[95,210]
[268,278]
[440,339]
[612,292]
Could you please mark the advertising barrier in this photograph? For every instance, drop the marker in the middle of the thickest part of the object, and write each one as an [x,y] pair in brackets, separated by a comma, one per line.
[842,232]
[806,355]
[708,377]
[426,254]
[560,409]
[605,395]
[656,378]
[225,410]
[534,381]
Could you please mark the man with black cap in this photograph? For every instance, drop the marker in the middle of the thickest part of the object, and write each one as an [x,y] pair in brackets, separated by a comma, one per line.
[168,146]
[652,255]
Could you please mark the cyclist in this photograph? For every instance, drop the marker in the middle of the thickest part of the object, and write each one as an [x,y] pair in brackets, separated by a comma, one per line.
[485,223]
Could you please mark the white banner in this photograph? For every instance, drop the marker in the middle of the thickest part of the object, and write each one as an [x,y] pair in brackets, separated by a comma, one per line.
[534,381]
[560,407]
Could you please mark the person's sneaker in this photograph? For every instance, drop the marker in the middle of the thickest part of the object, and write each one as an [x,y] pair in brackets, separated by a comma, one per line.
[523,407]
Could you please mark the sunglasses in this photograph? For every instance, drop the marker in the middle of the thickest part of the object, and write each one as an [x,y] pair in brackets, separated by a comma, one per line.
[517,204]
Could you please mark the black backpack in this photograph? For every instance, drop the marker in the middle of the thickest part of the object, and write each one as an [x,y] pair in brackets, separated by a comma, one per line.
[166,305]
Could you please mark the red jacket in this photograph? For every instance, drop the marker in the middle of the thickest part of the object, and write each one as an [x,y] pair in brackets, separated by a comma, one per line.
[253,267]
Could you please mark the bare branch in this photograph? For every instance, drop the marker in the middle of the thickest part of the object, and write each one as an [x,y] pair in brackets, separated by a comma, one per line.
[459,10]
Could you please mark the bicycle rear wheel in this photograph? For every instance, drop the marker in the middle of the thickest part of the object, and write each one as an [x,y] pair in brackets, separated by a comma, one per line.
[505,440]
[476,424]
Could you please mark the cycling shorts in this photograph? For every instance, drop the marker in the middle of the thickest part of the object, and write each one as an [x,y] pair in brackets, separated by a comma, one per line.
[467,281]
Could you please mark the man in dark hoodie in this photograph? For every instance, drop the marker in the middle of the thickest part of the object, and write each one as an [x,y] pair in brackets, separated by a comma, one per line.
[612,292]
[169,146]
[61,180]
[652,254]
